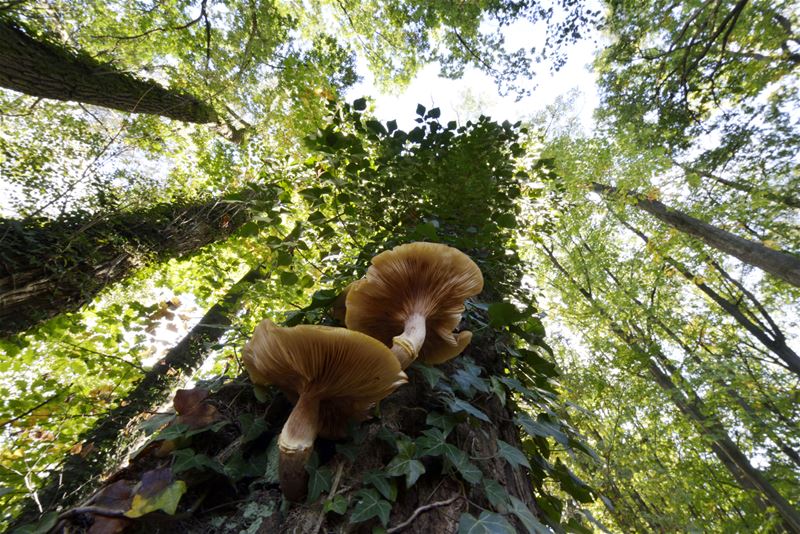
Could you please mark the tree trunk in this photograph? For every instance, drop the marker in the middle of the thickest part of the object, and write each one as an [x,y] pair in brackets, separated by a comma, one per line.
[780,264]
[43,68]
[774,340]
[709,426]
[112,435]
[434,503]
[59,266]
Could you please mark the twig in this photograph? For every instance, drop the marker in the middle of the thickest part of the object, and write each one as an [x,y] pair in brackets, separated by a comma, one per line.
[28,412]
[331,494]
[421,510]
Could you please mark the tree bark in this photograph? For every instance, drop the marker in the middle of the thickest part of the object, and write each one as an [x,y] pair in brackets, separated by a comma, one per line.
[112,435]
[779,264]
[56,267]
[691,406]
[42,68]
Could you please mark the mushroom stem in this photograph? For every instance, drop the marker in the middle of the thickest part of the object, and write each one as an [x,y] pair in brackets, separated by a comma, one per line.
[296,443]
[407,345]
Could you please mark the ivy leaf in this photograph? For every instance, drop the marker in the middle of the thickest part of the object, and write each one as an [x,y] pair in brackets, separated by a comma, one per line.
[513,455]
[503,314]
[440,420]
[252,427]
[370,505]
[273,461]
[526,517]
[498,389]
[433,442]
[337,505]
[458,405]
[319,480]
[186,459]
[487,523]
[387,487]
[348,450]
[542,428]
[496,494]
[404,463]
[431,374]
[460,461]
[468,380]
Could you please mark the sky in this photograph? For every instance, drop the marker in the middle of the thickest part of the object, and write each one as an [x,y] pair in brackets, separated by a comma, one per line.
[476,93]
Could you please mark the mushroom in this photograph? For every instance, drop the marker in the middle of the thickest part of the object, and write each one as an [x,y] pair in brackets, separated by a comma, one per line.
[334,375]
[412,299]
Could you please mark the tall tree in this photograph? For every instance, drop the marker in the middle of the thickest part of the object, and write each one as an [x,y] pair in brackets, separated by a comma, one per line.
[52,267]
[780,264]
[40,67]
[665,374]
[451,437]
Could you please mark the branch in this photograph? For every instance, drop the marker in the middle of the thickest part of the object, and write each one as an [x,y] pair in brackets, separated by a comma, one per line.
[28,412]
[421,510]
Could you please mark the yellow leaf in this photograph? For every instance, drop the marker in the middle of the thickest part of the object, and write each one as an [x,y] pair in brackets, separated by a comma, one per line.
[166,500]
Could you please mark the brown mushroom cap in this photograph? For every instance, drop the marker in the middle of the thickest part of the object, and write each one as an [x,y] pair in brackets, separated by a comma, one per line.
[333,374]
[347,371]
[428,279]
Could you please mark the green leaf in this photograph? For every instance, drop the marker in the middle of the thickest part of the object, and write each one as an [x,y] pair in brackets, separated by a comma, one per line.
[513,455]
[186,459]
[503,314]
[44,525]
[252,427]
[165,500]
[431,374]
[507,220]
[420,110]
[376,127]
[337,505]
[487,523]
[369,505]
[458,405]
[248,229]
[434,113]
[360,104]
[468,380]
[460,461]
[433,442]
[440,420]
[288,278]
[387,487]
[526,517]
[542,428]
[319,480]
[496,494]
[404,463]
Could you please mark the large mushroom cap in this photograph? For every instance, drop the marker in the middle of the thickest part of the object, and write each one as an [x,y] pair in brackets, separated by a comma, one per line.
[348,372]
[429,279]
